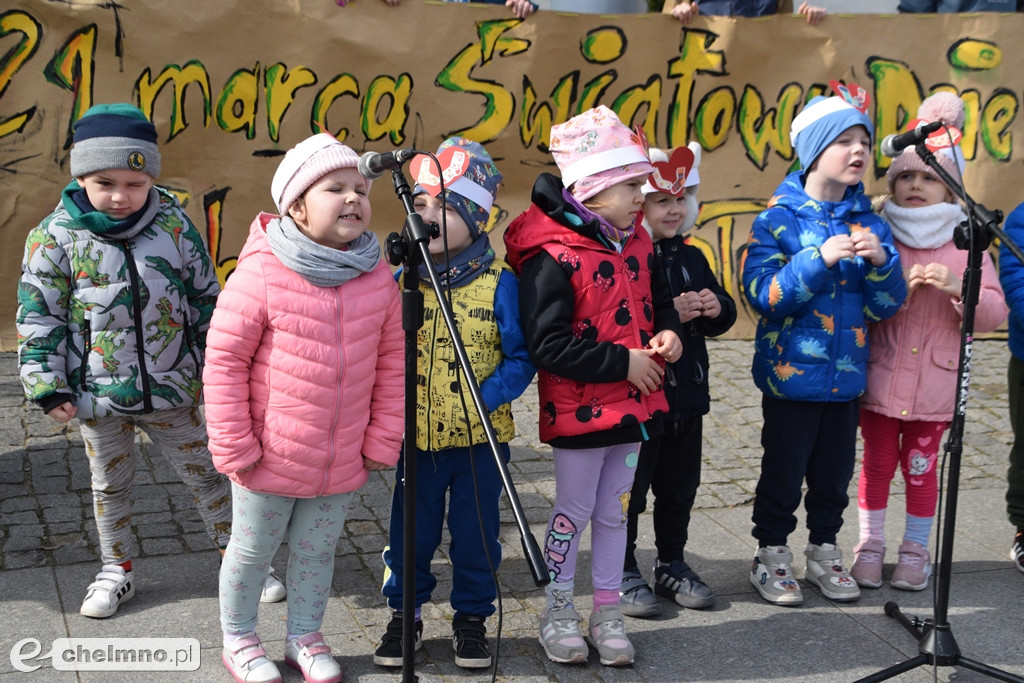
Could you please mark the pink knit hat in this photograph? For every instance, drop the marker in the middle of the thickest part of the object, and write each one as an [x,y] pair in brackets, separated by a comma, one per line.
[949,109]
[594,151]
[306,163]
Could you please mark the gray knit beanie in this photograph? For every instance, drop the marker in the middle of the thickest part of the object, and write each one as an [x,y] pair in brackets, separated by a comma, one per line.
[114,136]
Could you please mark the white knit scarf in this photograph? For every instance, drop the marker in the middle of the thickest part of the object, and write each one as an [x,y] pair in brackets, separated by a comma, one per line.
[923,227]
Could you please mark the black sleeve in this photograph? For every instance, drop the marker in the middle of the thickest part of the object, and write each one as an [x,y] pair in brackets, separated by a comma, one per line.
[712,327]
[665,315]
[51,401]
[547,303]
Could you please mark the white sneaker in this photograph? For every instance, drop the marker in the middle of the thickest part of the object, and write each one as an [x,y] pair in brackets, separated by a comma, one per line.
[311,655]
[772,577]
[825,570]
[273,589]
[112,587]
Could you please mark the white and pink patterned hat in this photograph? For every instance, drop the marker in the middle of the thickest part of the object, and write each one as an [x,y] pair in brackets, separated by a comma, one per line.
[594,151]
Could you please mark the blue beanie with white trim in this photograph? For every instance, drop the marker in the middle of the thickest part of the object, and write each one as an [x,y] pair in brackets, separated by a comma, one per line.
[822,121]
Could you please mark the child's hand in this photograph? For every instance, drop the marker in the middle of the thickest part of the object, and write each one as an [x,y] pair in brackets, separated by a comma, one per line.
[942,278]
[667,345]
[836,248]
[373,465]
[643,371]
[710,306]
[63,413]
[688,305]
[867,245]
[685,11]
[914,277]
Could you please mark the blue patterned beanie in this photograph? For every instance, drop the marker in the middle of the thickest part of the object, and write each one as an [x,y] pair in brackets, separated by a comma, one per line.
[473,192]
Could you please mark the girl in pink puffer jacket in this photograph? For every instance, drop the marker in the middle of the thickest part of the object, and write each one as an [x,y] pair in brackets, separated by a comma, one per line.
[304,396]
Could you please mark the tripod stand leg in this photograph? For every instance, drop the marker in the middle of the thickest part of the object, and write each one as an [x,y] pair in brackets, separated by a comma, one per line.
[895,670]
[989,671]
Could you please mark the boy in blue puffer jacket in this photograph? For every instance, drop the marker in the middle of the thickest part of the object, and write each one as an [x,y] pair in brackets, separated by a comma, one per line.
[819,266]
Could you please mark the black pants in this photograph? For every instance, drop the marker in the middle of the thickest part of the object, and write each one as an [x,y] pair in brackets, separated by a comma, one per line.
[1015,473]
[670,466]
[804,440]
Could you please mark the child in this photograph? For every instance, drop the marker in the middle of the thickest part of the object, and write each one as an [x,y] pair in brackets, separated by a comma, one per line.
[304,382]
[599,324]
[670,464]
[819,265]
[455,458]
[1011,276]
[912,372]
[115,298]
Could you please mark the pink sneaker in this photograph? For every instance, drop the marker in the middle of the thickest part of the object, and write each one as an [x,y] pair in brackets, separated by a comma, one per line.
[867,563]
[913,569]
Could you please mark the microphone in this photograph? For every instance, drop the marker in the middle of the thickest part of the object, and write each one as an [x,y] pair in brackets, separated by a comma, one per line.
[373,164]
[893,145]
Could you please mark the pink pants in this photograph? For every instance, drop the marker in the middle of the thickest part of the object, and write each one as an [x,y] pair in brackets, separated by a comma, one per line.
[914,445]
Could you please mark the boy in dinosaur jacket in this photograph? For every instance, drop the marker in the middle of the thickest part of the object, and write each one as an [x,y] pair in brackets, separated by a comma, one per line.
[116,294]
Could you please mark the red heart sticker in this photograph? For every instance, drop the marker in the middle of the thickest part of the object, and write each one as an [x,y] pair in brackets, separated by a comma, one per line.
[939,139]
[670,176]
[853,94]
[454,163]
[641,136]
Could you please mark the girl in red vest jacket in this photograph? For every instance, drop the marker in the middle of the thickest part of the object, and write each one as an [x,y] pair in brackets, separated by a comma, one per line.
[599,325]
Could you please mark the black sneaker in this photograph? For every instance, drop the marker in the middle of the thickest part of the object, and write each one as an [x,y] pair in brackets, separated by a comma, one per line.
[390,651]
[469,641]
[1017,551]
[677,581]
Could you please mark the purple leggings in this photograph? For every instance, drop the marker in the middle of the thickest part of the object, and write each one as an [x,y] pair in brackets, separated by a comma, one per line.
[591,485]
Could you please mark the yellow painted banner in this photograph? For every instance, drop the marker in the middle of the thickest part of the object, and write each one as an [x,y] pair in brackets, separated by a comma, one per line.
[231,86]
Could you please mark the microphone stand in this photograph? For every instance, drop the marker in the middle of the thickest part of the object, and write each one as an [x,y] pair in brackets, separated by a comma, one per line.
[936,644]
[410,249]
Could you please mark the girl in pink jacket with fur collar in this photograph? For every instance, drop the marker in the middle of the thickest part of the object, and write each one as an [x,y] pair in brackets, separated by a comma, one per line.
[304,396]
[912,371]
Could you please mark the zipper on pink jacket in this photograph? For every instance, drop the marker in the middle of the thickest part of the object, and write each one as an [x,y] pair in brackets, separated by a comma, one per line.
[332,451]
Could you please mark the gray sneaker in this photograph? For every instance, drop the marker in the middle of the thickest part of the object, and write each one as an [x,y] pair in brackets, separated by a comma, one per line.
[608,635]
[561,638]
[635,596]
[772,576]
[677,581]
[825,570]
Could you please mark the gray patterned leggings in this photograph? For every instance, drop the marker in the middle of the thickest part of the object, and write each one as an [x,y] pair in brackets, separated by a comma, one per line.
[180,433]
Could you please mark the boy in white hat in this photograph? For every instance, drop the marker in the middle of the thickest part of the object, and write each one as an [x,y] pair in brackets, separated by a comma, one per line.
[819,266]
[670,464]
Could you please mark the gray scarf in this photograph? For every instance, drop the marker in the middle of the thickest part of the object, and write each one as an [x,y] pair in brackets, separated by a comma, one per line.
[319,265]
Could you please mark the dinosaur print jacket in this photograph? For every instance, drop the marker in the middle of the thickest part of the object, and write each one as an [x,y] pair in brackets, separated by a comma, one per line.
[116,322]
[811,342]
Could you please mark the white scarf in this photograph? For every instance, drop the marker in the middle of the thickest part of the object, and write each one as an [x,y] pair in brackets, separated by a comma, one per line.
[923,227]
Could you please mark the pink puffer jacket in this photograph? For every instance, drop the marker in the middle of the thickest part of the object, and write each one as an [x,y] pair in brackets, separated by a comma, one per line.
[915,354]
[302,381]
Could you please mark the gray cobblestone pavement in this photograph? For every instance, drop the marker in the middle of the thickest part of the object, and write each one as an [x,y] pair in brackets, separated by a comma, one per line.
[48,555]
